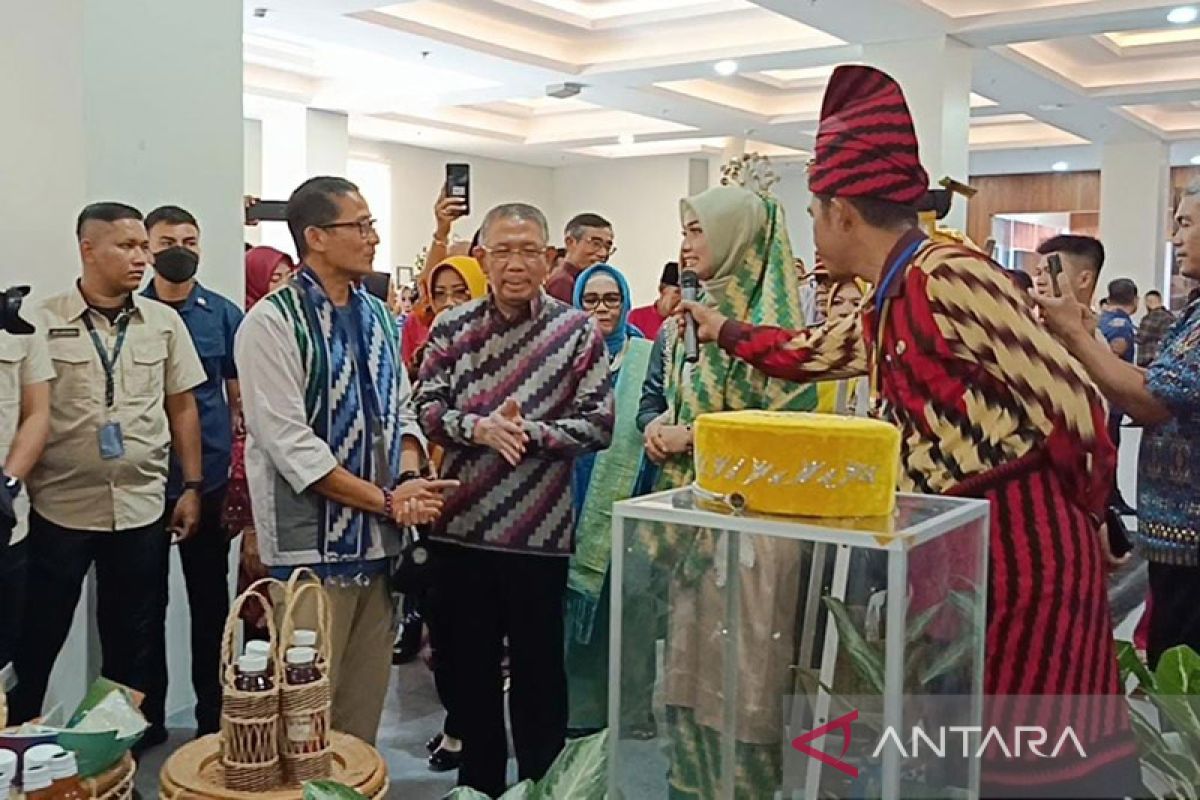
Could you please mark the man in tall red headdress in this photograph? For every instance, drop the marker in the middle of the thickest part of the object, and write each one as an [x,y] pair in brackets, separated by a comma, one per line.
[989,406]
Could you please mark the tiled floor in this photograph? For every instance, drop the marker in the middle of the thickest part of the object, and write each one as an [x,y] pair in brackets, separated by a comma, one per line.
[412,715]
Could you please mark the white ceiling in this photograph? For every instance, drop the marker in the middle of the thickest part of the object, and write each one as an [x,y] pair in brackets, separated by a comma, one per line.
[1053,79]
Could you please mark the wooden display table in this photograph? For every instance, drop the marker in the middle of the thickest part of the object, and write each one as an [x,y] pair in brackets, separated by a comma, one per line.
[193,772]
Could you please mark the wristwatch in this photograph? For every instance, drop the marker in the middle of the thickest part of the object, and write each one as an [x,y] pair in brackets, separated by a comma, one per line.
[13,486]
[194,486]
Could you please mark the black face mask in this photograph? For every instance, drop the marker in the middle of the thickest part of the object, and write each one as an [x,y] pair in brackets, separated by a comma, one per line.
[176,264]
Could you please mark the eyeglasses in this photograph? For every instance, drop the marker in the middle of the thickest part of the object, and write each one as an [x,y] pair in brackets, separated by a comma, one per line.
[446,295]
[502,256]
[604,246]
[610,300]
[365,226]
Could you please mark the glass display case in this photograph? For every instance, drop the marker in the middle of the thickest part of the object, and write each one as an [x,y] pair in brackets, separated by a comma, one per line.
[773,657]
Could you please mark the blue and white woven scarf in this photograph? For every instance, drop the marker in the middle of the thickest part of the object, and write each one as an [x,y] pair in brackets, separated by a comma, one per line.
[343,408]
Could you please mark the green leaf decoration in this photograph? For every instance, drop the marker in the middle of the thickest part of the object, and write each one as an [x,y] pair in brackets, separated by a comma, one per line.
[949,659]
[1178,694]
[867,661]
[580,772]
[525,790]
[464,793]
[916,629]
[1130,663]
[329,790]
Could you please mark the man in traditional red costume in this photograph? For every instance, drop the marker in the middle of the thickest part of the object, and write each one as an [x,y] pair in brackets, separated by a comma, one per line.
[989,406]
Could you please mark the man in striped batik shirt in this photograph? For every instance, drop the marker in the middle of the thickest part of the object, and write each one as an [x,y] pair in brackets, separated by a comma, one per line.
[514,386]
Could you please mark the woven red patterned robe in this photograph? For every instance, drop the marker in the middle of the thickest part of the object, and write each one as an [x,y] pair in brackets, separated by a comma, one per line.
[990,405]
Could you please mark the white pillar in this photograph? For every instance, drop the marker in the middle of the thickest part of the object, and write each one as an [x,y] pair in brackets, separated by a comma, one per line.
[1135,181]
[327,143]
[163,104]
[41,143]
[138,101]
[935,74]
[294,144]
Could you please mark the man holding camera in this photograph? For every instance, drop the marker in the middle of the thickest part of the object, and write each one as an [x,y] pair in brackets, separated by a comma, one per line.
[25,373]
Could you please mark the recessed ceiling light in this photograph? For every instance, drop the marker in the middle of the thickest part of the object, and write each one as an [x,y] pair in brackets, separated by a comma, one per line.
[726,67]
[1051,107]
[625,139]
[1060,166]
[1196,160]
[1184,15]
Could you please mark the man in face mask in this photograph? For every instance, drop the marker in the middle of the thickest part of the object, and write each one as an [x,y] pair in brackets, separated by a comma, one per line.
[212,321]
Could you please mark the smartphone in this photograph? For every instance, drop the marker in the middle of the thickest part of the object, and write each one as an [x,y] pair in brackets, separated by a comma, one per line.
[458,184]
[1054,263]
[267,211]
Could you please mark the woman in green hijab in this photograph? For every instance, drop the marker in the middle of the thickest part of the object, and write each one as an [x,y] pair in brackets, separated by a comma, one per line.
[736,241]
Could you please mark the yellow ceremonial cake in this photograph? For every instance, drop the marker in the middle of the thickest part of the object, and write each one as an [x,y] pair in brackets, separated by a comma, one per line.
[808,465]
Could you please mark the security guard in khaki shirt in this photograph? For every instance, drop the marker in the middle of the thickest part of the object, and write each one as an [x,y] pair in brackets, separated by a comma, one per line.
[125,366]
[25,374]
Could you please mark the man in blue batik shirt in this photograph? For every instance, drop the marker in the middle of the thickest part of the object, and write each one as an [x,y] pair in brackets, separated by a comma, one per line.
[1165,398]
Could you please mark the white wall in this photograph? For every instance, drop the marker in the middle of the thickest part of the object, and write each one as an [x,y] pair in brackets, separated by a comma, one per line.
[164,117]
[792,192]
[418,175]
[640,196]
[252,169]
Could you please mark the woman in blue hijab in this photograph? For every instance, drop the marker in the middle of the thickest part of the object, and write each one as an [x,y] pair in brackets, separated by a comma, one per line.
[602,479]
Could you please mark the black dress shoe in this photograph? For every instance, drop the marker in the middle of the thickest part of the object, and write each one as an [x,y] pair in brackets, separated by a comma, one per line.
[154,736]
[435,742]
[444,760]
[408,642]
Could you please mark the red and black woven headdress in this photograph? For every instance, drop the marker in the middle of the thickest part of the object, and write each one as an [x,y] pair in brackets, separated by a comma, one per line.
[866,144]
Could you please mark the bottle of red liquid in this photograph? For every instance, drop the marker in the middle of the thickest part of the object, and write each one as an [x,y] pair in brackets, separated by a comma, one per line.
[37,782]
[253,675]
[67,783]
[302,735]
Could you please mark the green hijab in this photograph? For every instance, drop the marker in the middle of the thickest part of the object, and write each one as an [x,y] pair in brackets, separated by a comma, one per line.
[753,280]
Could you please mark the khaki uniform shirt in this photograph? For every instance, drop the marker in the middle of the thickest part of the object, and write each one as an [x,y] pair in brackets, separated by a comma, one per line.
[23,360]
[73,486]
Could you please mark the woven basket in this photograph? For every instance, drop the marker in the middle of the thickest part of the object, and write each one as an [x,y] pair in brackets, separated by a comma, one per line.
[115,783]
[249,742]
[306,709]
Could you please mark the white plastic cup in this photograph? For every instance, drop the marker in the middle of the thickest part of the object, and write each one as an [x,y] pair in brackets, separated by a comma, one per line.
[304,638]
[36,778]
[64,766]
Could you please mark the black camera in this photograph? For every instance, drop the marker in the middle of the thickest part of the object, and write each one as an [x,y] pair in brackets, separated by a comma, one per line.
[10,311]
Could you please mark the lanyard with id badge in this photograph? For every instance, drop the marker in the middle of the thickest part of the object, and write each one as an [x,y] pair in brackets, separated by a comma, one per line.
[112,442]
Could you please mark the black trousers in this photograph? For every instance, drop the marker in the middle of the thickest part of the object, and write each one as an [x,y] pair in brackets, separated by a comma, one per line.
[483,597]
[13,560]
[205,560]
[131,576]
[425,605]
[1174,609]
[1114,433]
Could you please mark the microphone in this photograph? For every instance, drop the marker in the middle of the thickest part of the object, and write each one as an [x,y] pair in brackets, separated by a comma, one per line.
[689,283]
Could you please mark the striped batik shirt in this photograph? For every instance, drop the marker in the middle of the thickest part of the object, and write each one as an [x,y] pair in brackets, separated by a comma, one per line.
[971,378]
[552,361]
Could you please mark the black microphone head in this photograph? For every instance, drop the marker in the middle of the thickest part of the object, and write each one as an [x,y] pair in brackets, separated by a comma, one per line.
[688,279]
